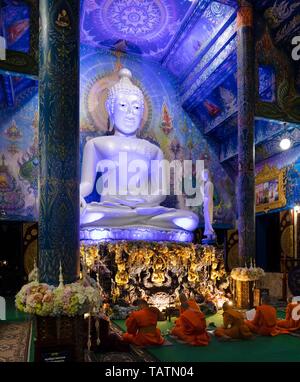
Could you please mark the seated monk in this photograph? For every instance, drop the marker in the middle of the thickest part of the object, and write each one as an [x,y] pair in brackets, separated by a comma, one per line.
[234,319]
[141,326]
[265,320]
[190,327]
[290,323]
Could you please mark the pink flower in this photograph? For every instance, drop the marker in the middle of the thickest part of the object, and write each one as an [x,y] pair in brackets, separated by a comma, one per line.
[48,297]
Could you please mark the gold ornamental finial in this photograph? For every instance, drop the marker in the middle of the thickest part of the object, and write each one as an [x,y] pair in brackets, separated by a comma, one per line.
[61,278]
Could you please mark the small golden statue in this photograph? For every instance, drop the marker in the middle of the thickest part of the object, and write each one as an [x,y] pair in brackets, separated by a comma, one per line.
[63,20]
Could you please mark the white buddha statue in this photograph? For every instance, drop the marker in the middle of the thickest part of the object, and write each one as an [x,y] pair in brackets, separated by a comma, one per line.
[126,207]
[208,206]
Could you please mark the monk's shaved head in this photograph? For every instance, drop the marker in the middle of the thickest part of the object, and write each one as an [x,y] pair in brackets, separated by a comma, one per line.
[265,300]
[226,305]
[183,301]
[141,303]
[182,297]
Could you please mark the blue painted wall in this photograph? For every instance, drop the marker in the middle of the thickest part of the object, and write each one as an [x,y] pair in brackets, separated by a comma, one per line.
[19,156]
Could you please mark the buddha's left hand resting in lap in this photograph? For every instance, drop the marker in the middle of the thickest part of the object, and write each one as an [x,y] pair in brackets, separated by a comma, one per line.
[107,154]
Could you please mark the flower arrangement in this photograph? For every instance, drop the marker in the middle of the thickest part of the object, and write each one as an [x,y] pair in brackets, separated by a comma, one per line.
[247,274]
[35,298]
[69,300]
[65,300]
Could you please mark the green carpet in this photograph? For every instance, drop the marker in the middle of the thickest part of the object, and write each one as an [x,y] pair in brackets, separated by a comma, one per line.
[282,348]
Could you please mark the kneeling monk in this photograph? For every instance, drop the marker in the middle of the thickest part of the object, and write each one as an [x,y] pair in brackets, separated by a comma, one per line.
[190,327]
[291,323]
[141,326]
[265,320]
[238,329]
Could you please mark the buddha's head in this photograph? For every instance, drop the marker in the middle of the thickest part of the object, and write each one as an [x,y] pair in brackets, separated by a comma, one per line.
[125,105]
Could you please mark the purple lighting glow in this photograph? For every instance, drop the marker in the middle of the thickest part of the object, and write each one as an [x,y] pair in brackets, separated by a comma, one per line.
[93,235]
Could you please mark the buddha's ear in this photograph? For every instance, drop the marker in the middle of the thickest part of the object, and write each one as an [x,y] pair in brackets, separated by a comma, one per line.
[111,123]
[108,108]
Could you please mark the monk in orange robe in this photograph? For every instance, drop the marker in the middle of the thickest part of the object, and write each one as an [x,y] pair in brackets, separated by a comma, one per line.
[265,320]
[190,327]
[290,323]
[141,326]
[237,330]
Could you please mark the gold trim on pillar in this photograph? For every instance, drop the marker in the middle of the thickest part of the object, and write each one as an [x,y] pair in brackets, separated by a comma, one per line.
[270,189]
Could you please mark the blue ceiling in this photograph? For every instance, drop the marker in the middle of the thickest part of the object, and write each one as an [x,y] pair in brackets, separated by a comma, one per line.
[146,27]
[175,33]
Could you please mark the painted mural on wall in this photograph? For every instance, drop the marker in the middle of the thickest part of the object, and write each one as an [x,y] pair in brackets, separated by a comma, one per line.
[14,22]
[220,104]
[290,161]
[164,121]
[19,157]
[283,19]
[285,105]
[208,25]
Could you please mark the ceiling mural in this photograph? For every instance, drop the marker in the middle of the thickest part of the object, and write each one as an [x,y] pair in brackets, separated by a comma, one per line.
[137,26]
[268,135]
[14,24]
[219,105]
[203,32]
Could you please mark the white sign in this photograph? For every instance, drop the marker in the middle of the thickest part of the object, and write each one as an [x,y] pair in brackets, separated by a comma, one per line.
[2,308]
[296,50]
[2,48]
[296,313]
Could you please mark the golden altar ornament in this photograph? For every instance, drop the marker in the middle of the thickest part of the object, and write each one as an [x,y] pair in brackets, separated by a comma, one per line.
[144,268]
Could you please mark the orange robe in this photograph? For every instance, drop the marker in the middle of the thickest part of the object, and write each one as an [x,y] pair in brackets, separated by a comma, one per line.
[290,324]
[265,321]
[191,326]
[238,329]
[141,328]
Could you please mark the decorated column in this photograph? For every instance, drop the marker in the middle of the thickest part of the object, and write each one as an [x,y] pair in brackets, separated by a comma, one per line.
[246,145]
[59,140]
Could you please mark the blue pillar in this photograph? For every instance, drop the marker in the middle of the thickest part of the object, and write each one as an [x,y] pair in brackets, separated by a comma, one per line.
[59,140]
[246,145]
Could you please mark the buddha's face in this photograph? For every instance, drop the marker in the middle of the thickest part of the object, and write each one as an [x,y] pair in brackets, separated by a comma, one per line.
[128,113]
